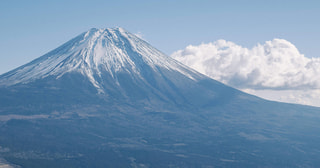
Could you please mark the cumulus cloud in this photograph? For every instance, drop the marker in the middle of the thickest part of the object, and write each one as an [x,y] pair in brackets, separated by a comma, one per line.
[274,65]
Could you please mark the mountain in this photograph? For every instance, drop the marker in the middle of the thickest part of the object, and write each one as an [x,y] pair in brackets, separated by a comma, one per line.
[109,99]
[113,64]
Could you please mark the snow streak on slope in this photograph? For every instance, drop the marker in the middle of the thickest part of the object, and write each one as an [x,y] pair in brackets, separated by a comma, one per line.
[95,52]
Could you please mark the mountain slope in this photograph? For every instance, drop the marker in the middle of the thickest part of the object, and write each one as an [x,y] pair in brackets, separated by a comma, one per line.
[108,99]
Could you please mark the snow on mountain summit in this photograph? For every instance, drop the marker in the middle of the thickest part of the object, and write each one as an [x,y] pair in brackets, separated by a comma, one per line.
[93,53]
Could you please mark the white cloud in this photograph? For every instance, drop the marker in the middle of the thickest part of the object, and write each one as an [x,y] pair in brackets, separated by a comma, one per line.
[307,97]
[275,65]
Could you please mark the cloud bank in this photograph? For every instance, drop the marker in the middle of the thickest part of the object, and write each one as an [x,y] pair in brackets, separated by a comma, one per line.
[274,65]
[307,97]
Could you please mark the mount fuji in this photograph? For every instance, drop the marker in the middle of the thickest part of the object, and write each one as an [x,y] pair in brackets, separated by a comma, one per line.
[107,98]
[114,65]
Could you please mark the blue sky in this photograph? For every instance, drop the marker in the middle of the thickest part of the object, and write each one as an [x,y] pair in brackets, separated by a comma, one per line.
[31,29]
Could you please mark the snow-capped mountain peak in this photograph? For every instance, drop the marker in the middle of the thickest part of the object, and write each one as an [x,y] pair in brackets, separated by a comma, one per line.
[95,52]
